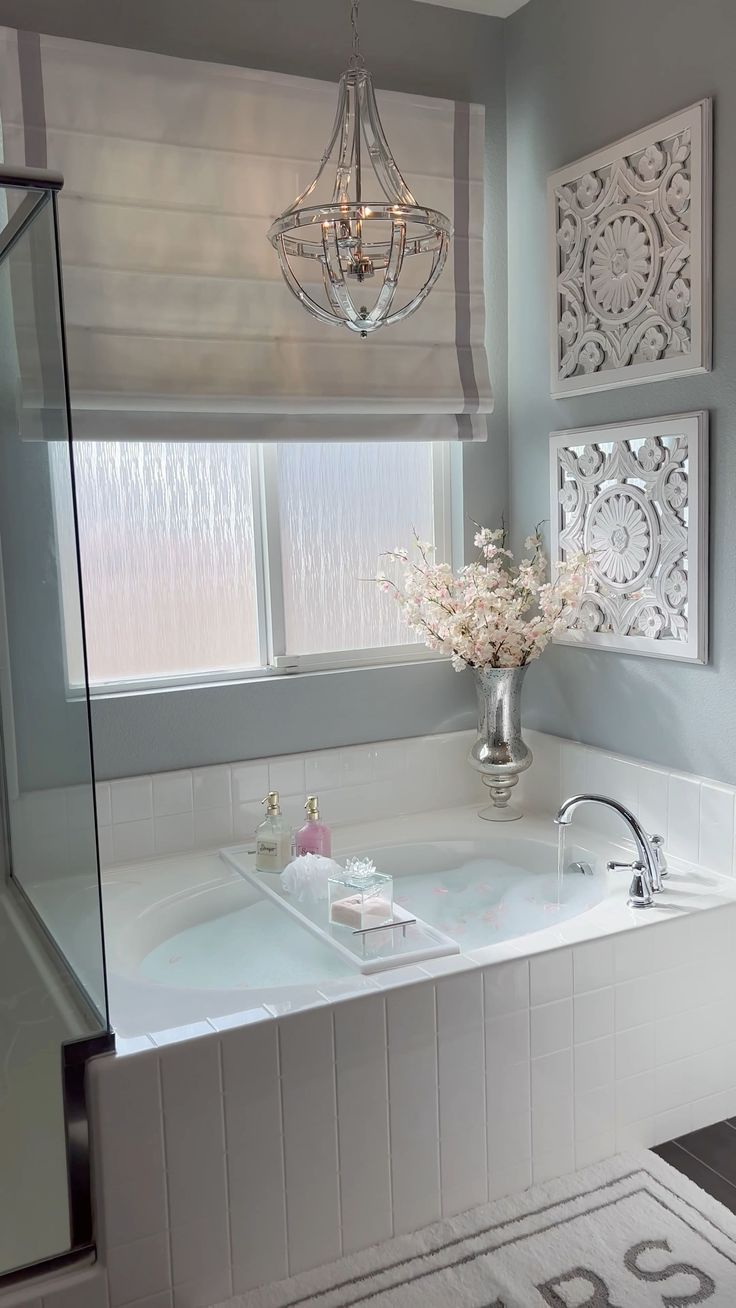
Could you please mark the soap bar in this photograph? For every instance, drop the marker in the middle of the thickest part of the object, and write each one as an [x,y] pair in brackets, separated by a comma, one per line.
[355,911]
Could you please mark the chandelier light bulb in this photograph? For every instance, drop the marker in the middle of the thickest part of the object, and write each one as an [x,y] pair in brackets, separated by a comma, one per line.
[331,241]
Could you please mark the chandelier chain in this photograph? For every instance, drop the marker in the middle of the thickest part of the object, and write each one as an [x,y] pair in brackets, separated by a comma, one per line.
[356,59]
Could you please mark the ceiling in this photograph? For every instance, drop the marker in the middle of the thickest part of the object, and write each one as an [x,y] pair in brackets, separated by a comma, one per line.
[494,8]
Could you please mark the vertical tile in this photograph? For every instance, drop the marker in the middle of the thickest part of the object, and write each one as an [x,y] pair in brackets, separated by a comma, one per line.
[552,1113]
[194,1133]
[361,1062]
[249,782]
[506,987]
[310,1139]
[255,1156]
[683,818]
[172,793]
[462,1101]
[551,1027]
[716,828]
[212,788]
[653,791]
[594,1015]
[413,1105]
[127,1138]
[550,976]
[286,775]
[136,1271]
[593,965]
[213,826]
[132,799]
[174,833]
[132,840]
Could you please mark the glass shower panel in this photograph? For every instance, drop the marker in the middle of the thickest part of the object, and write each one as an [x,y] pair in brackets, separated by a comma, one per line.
[52,979]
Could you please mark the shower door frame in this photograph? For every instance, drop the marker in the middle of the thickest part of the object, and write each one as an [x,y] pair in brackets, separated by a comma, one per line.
[42,187]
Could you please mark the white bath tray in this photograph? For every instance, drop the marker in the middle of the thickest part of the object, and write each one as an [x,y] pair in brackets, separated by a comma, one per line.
[409,940]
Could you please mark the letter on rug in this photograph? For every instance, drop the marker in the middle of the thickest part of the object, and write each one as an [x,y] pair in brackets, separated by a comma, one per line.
[706,1284]
[600,1297]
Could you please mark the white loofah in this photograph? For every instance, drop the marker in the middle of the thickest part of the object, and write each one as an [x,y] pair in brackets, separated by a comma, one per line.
[306,878]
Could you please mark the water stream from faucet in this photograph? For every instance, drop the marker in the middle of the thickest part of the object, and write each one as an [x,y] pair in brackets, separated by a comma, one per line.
[561,835]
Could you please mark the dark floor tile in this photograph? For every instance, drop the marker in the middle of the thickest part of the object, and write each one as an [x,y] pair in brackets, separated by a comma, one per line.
[715,1146]
[713,1184]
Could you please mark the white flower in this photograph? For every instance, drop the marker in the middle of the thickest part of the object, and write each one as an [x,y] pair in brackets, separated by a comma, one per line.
[590,460]
[620,264]
[678,298]
[652,343]
[650,622]
[568,497]
[491,613]
[678,192]
[568,327]
[651,454]
[651,163]
[588,189]
[619,538]
[590,357]
[566,236]
[675,491]
[676,587]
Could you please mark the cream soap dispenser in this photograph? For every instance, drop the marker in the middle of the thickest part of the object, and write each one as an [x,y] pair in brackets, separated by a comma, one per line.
[273,837]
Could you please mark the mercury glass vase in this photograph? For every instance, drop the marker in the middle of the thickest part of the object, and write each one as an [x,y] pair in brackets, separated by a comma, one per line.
[500,754]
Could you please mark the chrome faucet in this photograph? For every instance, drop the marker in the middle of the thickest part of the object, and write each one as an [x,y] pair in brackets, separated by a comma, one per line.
[650,864]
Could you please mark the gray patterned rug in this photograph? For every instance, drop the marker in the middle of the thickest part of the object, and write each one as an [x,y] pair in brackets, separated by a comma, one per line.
[627,1233]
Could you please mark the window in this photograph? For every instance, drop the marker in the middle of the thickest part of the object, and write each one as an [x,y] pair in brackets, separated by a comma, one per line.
[206,561]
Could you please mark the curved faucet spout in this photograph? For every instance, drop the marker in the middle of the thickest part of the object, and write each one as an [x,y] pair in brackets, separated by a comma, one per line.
[646,855]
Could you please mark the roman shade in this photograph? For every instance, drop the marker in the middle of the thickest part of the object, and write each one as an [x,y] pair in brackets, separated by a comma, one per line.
[179,324]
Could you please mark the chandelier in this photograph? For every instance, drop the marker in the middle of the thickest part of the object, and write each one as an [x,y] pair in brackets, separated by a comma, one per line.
[358,222]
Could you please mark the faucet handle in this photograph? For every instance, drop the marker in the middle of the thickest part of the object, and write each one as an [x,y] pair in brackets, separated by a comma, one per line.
[660,858]
[640,890]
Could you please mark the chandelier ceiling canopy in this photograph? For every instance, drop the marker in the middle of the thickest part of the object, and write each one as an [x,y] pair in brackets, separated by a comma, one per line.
[379,252]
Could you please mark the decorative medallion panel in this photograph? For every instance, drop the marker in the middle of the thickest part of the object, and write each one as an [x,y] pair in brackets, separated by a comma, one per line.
[630,231]
[634,498]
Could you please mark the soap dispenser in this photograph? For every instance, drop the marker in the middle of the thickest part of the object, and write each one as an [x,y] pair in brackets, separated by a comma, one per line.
[314,837]
[273,837]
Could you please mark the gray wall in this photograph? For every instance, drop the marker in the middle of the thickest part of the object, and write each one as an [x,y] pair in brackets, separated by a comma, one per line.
[422,49]
[580,75]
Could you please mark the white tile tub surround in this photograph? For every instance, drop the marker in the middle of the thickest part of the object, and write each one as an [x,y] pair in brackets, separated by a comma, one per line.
[175,812]
[204,808]
[226,1161]
[260,1146]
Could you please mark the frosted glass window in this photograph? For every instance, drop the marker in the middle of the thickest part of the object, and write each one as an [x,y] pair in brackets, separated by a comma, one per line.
[167,542]
[340,506]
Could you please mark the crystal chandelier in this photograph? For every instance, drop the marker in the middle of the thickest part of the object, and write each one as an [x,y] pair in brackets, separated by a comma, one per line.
[354,233]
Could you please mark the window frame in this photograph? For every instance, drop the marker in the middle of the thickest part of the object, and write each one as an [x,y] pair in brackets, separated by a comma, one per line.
[446,467]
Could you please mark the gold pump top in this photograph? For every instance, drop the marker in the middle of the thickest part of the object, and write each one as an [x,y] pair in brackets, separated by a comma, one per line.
[273,807]
[312,808]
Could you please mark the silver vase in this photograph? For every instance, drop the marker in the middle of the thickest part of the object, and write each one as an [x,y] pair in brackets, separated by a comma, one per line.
[500,753]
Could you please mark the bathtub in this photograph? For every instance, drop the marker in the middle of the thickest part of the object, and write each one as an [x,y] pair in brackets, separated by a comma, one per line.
[190,941]
[276,1109]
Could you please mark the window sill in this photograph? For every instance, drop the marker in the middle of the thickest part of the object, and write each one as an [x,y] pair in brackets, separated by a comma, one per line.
[159,730]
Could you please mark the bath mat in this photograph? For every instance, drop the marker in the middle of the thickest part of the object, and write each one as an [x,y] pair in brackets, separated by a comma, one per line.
[628,1233]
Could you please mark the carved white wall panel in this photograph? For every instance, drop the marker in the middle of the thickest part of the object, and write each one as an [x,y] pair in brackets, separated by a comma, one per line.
[634,498]
[630,233]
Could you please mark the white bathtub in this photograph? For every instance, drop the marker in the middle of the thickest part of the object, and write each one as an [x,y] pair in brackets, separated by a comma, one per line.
[189,941]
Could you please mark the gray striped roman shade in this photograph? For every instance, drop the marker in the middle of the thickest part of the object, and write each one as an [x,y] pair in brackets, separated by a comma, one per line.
[179,323]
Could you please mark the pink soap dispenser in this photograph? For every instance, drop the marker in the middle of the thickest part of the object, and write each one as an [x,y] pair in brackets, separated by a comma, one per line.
[314,837]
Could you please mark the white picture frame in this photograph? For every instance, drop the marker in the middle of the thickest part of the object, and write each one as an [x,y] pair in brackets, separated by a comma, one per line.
[634,497]
[630,258]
